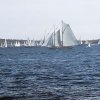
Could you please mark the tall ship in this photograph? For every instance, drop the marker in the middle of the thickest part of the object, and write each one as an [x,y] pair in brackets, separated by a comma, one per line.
[68,38]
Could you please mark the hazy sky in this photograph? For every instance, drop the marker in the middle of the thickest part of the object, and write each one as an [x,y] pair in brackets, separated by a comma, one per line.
[35,18]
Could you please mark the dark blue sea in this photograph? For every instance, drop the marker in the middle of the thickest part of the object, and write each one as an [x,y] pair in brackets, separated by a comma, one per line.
[37,73]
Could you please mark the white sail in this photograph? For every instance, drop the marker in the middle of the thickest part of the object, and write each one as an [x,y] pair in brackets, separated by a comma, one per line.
[29,43]
[57,39]
[5,43]
[99,42]
[49,41]
[68,37]
[17,44]
[89,44]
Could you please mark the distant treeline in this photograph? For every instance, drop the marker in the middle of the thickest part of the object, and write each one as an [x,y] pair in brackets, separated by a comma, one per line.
[13,41]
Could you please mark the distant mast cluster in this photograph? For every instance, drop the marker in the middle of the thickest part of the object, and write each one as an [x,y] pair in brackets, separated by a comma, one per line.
[20,43]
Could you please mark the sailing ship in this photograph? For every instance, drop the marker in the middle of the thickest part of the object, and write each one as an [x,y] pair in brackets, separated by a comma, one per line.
[68,38]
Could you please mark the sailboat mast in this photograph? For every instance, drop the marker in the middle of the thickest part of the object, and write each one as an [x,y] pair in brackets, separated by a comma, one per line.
[62,33]
[54,36]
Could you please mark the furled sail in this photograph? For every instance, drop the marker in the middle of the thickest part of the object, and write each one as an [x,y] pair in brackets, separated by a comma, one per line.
[68,38]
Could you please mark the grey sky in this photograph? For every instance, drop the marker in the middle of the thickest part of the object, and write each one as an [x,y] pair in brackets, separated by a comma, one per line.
[34,18]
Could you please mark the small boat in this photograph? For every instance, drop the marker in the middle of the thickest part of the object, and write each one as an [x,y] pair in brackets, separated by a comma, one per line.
[17,44]
[99,42]
[5,44]
[89,44]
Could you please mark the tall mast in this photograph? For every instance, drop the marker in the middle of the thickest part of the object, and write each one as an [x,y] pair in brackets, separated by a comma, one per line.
[62,33]
[54,36]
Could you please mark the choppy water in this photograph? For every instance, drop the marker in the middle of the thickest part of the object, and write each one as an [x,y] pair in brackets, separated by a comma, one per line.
[50,74]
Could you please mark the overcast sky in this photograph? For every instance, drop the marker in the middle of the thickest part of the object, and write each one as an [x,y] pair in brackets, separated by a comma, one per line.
[35,18]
